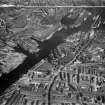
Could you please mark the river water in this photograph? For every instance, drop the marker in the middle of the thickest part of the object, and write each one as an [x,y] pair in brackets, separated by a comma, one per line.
[58,37]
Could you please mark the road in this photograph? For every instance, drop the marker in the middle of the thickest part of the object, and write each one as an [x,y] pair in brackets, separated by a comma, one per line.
[68,64]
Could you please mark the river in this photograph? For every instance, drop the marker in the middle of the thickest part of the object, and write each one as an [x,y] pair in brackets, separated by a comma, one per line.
[58,37]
